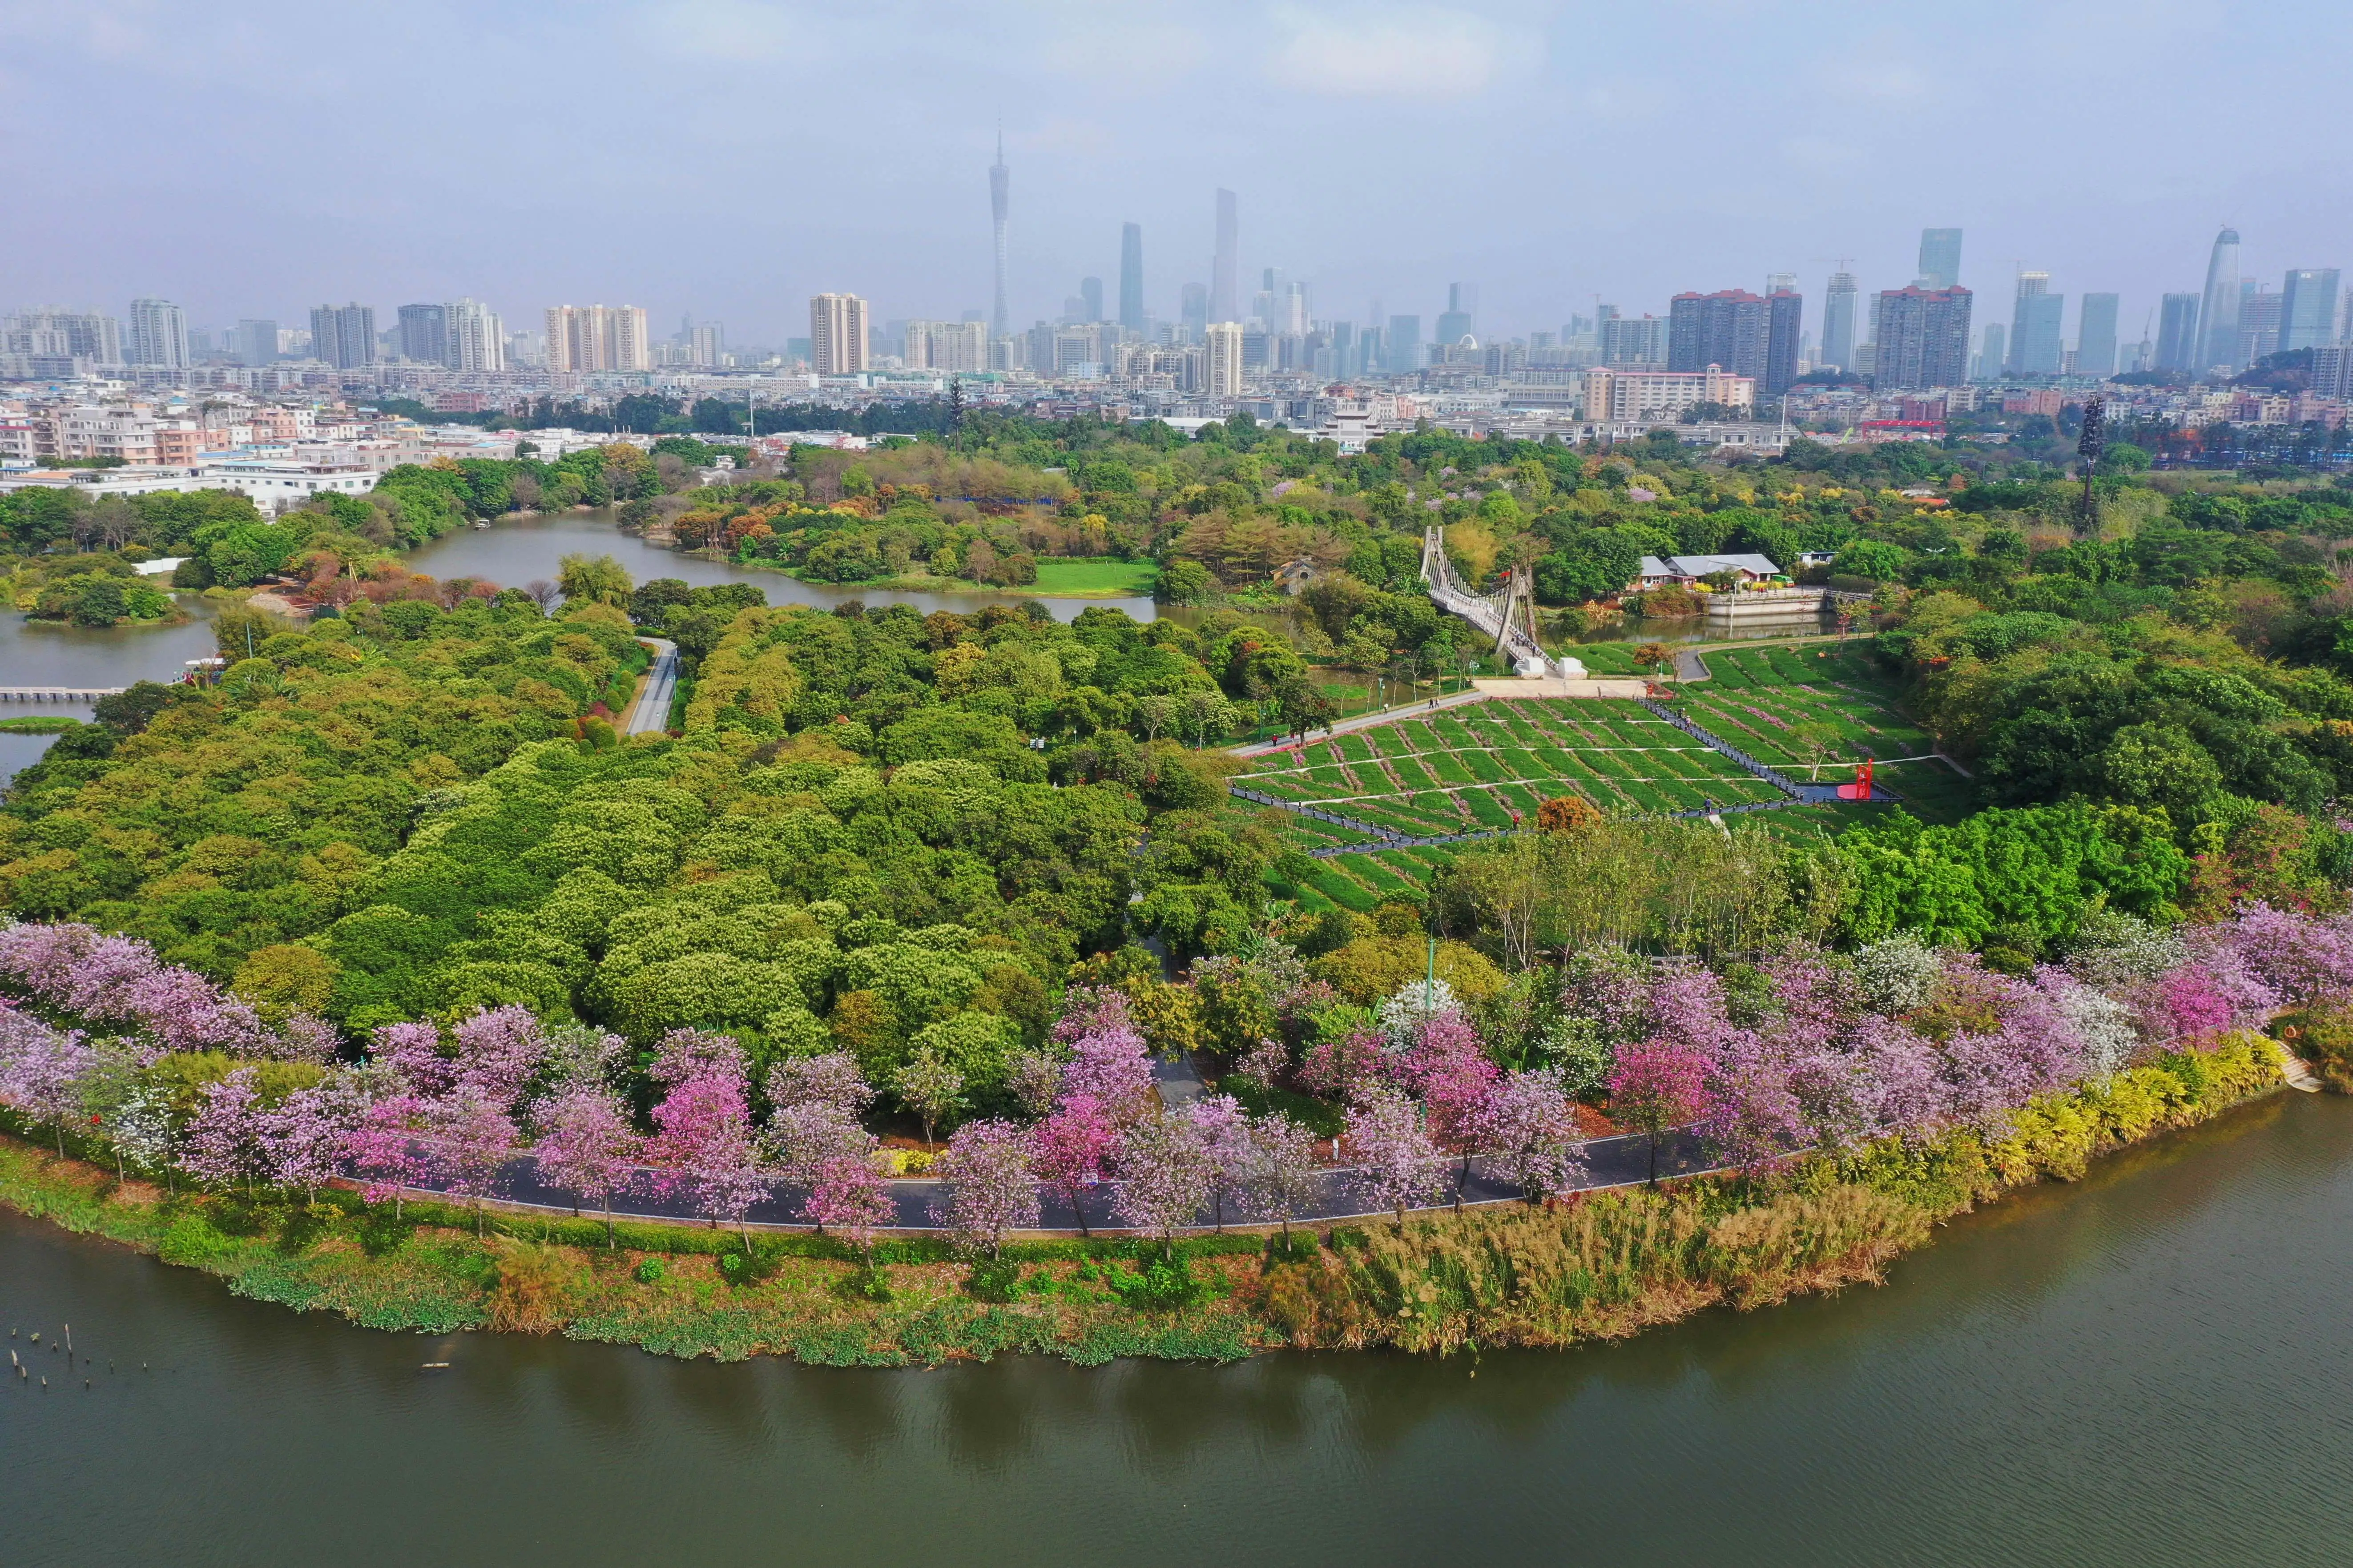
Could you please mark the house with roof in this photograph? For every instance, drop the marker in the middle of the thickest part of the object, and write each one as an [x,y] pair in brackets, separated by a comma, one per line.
[1686,569]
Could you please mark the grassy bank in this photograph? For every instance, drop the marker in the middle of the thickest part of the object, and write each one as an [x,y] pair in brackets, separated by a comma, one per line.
[1603,1267]
[1059,577]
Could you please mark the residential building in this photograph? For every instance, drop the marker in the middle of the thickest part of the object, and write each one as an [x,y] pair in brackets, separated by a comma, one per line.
[1838,321]
[73,340]
[1784,311]
[1940,257]
[1130,276]
[1737,329]
[1663,394]
[1634,341]
[2307,308]
[1079,351]
[1221,370]
[707,344]
[1225,269]
[2177,333]
[598,338]
[2034,343]
[2218,308]
[2332,370]
[424,334]
[257,343]
[1923,337]
[837,334]
[2095,337]
[159,335]
[343,336]
[473,337]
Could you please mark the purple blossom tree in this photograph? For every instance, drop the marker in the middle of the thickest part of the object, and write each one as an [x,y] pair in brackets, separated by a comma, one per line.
[1340,1067]
[1530,1132]
[586,1146]
[302,1137]
[992,1186]
[42,1070]
[1284,1173]
[1165,1173]
[1072,1146]
[499,1051]
[696,1053]
[186,1012]
[475,1138]
[1218,1121]
[1445,1065]
[705,1141]
[222,1146]
[1109,1063]
[303,1038]
[851,1198]
[1394,1155]
[382,1149]
[1658,1084]
[2304,961]
[412,1053]
[830,1080]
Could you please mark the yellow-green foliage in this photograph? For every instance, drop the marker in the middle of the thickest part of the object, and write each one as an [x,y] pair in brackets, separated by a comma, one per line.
[2057,1135]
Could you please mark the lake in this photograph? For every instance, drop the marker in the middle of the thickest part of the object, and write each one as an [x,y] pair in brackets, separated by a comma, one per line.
[2149,1367]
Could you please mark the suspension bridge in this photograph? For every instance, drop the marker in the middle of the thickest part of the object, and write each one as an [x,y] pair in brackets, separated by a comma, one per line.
[1508,615]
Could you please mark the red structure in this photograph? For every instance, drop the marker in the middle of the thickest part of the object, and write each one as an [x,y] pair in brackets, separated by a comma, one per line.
[1860,788]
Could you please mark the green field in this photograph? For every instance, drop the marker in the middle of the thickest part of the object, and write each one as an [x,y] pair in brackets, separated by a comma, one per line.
[1095,578]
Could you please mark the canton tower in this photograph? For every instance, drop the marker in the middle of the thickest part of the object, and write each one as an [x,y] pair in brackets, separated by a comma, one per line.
[999,174]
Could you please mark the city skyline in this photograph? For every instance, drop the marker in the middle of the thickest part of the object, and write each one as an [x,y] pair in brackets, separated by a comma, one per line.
[1414,117]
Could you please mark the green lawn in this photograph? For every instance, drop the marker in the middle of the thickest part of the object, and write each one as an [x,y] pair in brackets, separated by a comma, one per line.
[1095,578]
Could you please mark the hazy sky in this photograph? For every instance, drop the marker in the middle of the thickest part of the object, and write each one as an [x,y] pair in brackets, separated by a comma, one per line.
[729,157]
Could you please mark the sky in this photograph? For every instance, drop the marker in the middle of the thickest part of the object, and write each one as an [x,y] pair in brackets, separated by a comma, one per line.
[731,157]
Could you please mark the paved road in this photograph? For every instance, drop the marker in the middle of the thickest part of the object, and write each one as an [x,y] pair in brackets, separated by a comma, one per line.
[651,715]
[1365,721]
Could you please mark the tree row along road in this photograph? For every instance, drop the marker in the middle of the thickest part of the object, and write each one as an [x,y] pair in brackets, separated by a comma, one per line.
[655,1194]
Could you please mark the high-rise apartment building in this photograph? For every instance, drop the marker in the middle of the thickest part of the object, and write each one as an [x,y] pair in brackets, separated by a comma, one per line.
[582,338]
[1739,332]
[343,335]
[473,338]
[1222,371]
[2307,308]
[424,334]
[837,334]
[2177,333]
[1226,266]
[1130,276]
[1785,317]
[958,347]
[255,343]
[1923,337]
[2218,307]
[2035,343]
[707,343]
[2096,336]
[159,335]
[1940,257]
[1838,321]
[1634,341]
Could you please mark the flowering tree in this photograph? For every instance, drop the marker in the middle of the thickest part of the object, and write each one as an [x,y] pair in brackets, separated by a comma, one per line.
[303,1136]
[2306,961]
[1218,1121]
[991,1185]
[830,1080]
[851,1198]
[222,1145]
[499,1051]
[930,1087]
[1339,1065]
[691,1053]
[1393,1151]
[382,1149]
[1283,1174]
[41,1069]
[305,1038]
[412,1053]
[586,1146]
[1444,1063]
[477,1139]
[705,1138]
[1109,1063]
[1072,1146]
[144,1130]
[1264,1064]
[1036,1078]
[1529,1133]
[577,1053]
[1167,1172]
[1658,1084]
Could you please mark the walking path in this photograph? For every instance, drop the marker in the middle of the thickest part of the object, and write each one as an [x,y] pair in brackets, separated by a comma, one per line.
[651,715]
[1362,721]
[1346,1193]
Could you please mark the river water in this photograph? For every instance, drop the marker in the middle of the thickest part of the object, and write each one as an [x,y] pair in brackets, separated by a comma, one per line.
[2147,1368]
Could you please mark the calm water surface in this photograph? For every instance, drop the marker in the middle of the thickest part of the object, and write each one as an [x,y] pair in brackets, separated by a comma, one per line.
[2149,1368]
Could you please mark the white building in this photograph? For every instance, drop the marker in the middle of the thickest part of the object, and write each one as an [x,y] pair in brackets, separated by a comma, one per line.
[1222,366]
[159,335]
[1616,394]
[597,337]
[477,338]
[837,334]
[953,346]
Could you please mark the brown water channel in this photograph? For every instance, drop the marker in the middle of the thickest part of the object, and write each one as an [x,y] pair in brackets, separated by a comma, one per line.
[2150,1368]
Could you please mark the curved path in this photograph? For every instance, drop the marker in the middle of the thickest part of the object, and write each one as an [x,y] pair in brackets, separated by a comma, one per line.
[1619,1161]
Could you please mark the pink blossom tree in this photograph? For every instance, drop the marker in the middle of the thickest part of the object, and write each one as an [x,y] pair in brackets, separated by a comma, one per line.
[1658,1084]
[1283,1174]
[302,1137]
[696,1053]
[222,1146]
[830,1080]
[1109,1062]
[1394,1155]
[412,1053]
[499,1051]
[851,1197]
[992,1185]
[586,1146]
[1337,1068]
[383,1152]
[1072,1145]
[42,1071]
[1529,1132]
[477,1137]
[1166,1172]
[704,1140]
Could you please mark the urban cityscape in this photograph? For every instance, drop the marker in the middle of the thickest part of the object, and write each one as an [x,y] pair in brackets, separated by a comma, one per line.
[1463,781]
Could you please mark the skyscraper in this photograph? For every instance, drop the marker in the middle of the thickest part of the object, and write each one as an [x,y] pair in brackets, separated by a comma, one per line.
[1785,312]
[2177,333]
[1193,310]
[474,338]
[1226,269]
[1989,356]
[1404,345]
[2218,308]
[2308,308]
[1222,374]
[159,335]
[597,337]
[343,336]
[257,343]
[999,192]
[2259,323]
[424,334]
[1940,257]
[1130,276]
[837,334]
[1838,321]
[2096,336]
[2034,346]
[1732,329]
[1460,317]
[1091,300]
[1923,337]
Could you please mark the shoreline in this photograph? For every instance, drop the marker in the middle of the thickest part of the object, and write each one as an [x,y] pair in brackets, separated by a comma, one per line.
[1602,1266]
